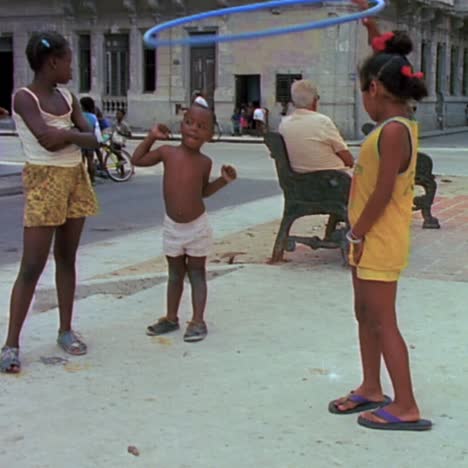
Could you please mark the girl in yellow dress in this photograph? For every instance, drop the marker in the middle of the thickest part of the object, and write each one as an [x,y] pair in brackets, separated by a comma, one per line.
[380,213]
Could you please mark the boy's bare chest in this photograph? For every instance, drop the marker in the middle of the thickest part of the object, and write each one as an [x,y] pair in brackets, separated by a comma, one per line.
[186,170]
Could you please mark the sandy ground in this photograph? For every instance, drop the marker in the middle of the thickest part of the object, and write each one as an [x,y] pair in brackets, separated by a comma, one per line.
[254,245]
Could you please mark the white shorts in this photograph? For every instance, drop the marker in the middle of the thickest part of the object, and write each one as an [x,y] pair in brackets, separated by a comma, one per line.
[194,239]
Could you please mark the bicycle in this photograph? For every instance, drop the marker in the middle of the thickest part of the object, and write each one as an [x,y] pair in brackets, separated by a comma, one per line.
[117,161]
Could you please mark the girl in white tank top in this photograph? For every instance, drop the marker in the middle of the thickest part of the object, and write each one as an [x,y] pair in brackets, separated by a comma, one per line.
[58,194]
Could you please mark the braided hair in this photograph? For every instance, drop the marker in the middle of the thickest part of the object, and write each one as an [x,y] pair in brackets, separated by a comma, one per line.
[42,45]
[390,66]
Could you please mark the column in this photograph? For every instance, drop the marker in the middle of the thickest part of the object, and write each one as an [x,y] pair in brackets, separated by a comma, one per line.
[97,63]
[22,74]
[73,39]
[136,60]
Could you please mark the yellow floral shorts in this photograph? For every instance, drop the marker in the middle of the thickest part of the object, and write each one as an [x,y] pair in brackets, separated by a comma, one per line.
[53,194]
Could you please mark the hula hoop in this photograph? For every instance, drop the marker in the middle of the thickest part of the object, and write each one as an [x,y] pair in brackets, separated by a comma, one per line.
[151,39]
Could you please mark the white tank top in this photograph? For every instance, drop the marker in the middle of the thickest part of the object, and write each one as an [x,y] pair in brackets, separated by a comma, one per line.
[35,153]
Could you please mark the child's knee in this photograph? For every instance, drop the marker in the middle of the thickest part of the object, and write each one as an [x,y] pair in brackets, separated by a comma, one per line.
[176,275]
[367,317]
[196,275]
[65,260]
[30,272]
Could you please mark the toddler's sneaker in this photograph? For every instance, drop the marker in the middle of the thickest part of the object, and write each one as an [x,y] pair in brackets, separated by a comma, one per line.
[163,325]
[196,331]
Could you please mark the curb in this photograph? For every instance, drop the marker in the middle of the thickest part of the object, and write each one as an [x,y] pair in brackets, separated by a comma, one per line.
[10,191]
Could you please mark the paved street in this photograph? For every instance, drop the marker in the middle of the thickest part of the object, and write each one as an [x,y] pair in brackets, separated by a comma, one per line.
[138,205]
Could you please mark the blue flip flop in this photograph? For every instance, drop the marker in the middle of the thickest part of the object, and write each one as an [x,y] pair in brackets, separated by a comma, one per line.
[363,404]
[394,423]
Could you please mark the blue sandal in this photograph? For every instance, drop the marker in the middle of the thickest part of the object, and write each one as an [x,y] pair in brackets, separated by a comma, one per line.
[362,404]
[393,423]
[9,360]
[71,343]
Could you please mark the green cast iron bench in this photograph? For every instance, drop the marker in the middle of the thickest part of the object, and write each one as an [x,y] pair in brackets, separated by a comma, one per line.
[327,193]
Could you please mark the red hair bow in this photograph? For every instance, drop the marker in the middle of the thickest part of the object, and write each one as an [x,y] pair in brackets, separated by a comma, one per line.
[406,71]
[379,44]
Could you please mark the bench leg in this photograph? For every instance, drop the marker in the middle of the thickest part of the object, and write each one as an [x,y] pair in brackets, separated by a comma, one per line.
[430,222]
[281,238]
[333,221]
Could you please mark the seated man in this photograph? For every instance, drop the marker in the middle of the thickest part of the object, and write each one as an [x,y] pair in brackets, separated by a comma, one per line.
[312,139]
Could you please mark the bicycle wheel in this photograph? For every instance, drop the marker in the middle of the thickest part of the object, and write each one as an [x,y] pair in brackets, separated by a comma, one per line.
[118,165]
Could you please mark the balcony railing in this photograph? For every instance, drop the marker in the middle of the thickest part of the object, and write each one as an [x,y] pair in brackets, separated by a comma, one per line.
[111,104]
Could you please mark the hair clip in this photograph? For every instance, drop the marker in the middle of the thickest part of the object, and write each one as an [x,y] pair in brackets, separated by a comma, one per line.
[406,71]
[45,43]
[379,44]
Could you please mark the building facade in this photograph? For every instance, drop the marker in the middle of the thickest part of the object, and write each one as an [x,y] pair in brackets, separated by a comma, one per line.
[112,64]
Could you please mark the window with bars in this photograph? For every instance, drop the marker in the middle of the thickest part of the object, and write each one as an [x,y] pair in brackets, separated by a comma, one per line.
[117,65]
[454,70]
[84,44]
[149,70]
[425,57]
[440,68]
[465,73]
[283,86]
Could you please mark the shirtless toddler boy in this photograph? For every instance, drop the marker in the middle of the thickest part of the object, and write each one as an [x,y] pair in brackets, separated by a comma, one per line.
[187,235]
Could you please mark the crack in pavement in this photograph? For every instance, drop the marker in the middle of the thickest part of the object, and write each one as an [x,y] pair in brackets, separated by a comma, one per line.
[45,299]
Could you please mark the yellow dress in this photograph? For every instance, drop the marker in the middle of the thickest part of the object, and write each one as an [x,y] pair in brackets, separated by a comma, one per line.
[387,244]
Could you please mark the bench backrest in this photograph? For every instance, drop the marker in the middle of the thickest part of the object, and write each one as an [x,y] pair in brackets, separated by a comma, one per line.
[315,186]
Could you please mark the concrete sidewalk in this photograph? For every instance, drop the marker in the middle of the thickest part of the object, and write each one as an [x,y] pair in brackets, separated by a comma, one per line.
[281,344]
[254,394]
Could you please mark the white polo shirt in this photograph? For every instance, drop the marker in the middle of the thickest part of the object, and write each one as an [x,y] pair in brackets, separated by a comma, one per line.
[312,141]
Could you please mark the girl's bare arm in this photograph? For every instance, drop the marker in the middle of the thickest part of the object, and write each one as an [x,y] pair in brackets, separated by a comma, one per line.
[370,23]
[50,138]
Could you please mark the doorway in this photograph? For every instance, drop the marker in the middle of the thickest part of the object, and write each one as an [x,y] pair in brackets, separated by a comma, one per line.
[247,89]
[203,69]
[6,65]
[116,73]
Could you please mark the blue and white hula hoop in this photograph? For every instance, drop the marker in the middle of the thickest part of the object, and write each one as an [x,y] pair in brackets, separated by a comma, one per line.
[151,36]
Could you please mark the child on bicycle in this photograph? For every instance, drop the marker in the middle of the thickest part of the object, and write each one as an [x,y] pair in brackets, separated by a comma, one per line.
[89,111]
[187,235]
[58,193]
[120,130]
[380,214]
